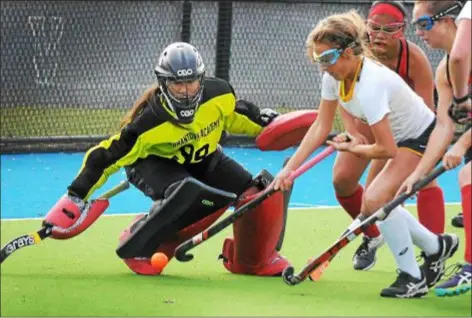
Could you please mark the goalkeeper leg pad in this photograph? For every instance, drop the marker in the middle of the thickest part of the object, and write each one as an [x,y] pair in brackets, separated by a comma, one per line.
[142,265]
[173,218]
[258,235]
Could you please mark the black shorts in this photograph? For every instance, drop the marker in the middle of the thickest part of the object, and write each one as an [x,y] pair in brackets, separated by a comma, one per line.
[418,145]
[468,155]
[153,175]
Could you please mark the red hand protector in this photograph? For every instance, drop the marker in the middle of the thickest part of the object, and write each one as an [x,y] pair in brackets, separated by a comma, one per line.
[69,220]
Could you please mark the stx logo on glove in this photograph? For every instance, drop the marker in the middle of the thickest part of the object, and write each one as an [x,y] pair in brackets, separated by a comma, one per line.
[20,242]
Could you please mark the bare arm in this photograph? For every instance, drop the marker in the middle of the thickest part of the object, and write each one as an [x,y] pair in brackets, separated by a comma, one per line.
[443,132]
[460,59]
[348,121]
[316,135]
[421,73]
[465,141]
[454,156]
[384,146]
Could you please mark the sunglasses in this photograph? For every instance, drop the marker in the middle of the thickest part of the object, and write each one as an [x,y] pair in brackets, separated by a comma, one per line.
[390,28]
[426,22]
[331,56]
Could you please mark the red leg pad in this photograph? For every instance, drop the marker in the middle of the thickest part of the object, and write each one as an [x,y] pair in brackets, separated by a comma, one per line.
[256,234]
[143,266]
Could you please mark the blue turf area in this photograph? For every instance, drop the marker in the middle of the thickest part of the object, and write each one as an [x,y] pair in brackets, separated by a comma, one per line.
[32,183]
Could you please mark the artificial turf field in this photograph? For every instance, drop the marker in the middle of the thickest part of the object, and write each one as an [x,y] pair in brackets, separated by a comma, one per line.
[84,277]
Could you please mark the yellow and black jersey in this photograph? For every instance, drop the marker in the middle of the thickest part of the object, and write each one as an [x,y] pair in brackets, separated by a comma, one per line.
[154,132]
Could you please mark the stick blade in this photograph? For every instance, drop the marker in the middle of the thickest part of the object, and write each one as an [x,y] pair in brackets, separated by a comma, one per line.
[317,273]
[289,277]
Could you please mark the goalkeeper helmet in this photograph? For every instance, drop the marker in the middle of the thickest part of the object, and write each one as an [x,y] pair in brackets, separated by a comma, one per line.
[180,71]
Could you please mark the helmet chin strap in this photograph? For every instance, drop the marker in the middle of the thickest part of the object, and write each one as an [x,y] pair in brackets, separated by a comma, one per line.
[167,104]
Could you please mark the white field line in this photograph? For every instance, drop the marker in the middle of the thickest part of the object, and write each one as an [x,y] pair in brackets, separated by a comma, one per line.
[296,207]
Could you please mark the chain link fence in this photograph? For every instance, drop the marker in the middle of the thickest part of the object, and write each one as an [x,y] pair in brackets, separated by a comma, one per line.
[71,69]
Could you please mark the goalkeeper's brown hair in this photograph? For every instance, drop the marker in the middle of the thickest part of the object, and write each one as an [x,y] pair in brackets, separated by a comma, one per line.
[139,105]
[340,30]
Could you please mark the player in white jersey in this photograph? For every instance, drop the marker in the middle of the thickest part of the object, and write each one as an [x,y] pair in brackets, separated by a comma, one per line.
[395,123]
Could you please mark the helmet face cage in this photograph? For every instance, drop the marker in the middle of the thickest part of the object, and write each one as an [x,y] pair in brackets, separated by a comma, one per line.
[180,63]
[184,107]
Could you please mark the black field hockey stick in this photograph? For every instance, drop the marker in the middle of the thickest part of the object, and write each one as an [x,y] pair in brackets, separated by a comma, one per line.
[294,279]
[46,231]
[181,251]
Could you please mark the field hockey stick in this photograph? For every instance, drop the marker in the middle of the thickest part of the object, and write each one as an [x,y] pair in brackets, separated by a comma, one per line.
[180,252]
[46,231]
[288,274]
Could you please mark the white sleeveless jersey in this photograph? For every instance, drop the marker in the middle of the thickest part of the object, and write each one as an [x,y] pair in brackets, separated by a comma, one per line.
[380,92]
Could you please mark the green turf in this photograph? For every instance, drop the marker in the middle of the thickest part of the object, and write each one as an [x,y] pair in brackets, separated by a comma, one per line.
[59,121]
[44,121]
[83,277]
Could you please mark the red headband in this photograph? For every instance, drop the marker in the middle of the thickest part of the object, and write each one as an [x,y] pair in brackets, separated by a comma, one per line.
[387,8]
